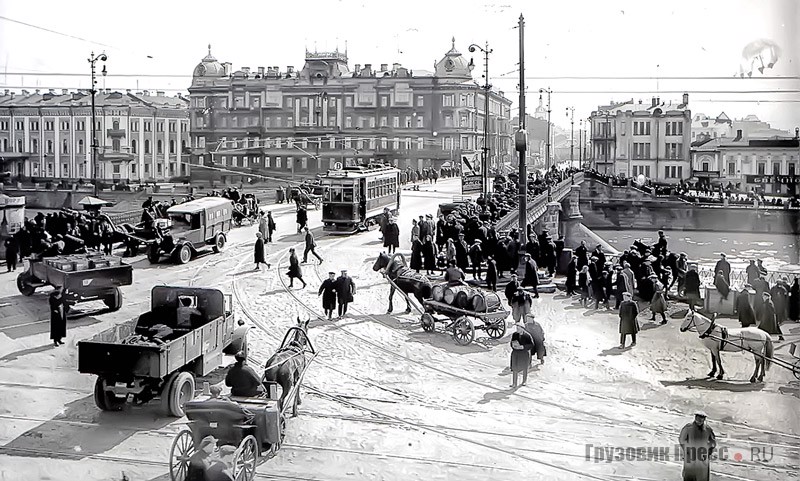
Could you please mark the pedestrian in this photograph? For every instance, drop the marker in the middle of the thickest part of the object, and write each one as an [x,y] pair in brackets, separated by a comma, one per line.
[462,250]
[453,275]
[311,246]
[628,321]
[599,290]
[491,274]
[536,332]
[383,221]
[345,290]
[271,227]
[294,269]
[747,317]
[58,316]
[263,226]
[429,255]
[12,253]
[698,443]
[416,255]
[476,258]
[511,288]
[328,292]
[752,272]
[572,276]
[723,265]
[302,218]
[521,304]
[794,301]
[531,277]
[414,230]
[258,252]
[658,304]
[722,285]
[391,236]
[780,297]
[583,284]
[521,345]
[766,317]
[692,287]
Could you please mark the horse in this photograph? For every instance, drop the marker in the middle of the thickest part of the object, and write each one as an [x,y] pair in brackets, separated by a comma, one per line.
[406,279]
[718,338]
[288,363]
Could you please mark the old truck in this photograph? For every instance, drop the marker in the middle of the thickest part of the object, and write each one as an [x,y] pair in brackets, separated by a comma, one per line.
[194,225]
[159,353]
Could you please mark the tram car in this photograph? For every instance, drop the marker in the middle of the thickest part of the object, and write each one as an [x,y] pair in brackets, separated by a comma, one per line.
[354,197]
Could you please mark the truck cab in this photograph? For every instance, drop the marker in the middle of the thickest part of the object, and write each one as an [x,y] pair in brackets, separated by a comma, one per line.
[194,225]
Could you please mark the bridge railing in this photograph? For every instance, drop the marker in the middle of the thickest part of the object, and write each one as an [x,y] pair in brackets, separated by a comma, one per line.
[538,205]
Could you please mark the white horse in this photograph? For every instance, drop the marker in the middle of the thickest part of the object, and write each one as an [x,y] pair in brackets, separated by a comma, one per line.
[718,338]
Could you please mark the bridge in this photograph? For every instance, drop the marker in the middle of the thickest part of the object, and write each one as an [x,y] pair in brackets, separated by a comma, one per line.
[545,208]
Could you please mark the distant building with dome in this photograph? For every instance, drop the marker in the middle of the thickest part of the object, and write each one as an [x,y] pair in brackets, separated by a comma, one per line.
[308,120]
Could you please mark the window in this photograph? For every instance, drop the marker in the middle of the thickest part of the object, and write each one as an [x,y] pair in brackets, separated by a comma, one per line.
[19,125]
[160,126]
[448,120]
[674,128]
[172,127]
[159,147]
[34,146]
[641,150]
[183,146]
[731,168]
[420,101]
[64,125]
[5,145]
[171,146]
[420,122]
[158,169]
[304,163]
[115,125]
[396,122]
[48,125]
[81,125]
[384,100]
[448,100]
[64,147]
[641,128]
[148,126]
[762,168]
[277,162]
[49,146]
[348,101]
[420,143]
[20,147]
[408,143]
[776,168]
[147,146]
[34,125]
[674,150]
[384,121]
[133,146]
[133,169]
[706,166]
[791,169]
[407,122]
[348,122]
[134,125]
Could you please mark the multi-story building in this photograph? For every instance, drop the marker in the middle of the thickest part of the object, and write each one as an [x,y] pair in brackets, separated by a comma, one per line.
[722,126]
[771,165]
[310,120]
[643,139]
[704,127]
[140,137]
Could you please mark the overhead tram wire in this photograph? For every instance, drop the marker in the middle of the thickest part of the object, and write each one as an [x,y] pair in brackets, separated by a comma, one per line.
[44,29]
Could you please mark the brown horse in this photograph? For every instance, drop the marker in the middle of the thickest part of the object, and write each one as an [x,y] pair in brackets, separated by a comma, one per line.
[404,278]
[287,365]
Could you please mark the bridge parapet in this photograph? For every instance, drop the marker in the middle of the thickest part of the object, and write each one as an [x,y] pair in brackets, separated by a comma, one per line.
[539,205]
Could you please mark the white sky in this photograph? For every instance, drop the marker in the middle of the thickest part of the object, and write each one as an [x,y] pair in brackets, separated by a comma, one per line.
[563,38]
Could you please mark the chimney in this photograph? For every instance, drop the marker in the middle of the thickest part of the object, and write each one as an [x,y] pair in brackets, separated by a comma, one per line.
[368,68]
[290,69]
[658,100]
[738,135]
[654,103]
[640,101]
[246,71]
[261,72]
[227,68]
[13,94]
[25,92]
[146,92]
[160,93]
[52,91]
[37,91]
[685,99]
[64,91]
[395,66]
[358,68]
[384,67]
[6,92]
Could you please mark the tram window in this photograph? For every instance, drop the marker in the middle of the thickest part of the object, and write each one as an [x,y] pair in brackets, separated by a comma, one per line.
[348,194]
[337,194]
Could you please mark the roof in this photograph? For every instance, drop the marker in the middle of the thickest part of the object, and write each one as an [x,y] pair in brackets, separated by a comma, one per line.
[83,98]
[198,205]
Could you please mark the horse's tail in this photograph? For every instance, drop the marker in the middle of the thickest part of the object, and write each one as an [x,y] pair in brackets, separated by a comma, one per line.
[769,349]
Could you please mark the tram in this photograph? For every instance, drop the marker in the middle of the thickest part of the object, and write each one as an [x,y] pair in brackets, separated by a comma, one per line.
[355,196]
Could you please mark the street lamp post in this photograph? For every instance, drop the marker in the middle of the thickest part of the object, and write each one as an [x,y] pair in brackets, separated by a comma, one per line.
[580,144]
[571,116]
[487,90]
[93,60]
[548,91]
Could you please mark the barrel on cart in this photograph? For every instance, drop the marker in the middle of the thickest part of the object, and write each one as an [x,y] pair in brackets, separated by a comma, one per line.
[84,277]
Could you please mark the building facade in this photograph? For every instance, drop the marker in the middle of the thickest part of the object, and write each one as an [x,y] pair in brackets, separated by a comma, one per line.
[140,137]
[636,139]
[313,119]
[771,166]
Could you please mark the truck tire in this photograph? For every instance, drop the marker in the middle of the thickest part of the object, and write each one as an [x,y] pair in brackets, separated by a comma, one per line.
[184,254]
[24,286]
[106,400]
[219,243]
[153,254]
[181,392]
[166,388]
[114,300]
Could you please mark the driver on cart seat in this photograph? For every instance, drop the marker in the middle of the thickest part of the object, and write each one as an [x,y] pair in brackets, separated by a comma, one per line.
[242,379]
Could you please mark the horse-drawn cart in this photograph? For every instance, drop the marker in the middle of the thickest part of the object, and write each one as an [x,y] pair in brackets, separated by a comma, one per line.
[460,321]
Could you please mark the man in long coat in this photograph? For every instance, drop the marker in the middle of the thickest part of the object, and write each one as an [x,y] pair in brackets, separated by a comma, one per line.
[537,335]
[476,257]
[621,287]
[583,254]
[752,272]
[725,267]
[511,288]
[698,443]
[794,300]
[328,292]
[271,227]
[766,317]
[572,275]
[761,286]
[722,285]
[692,284]
[531,278]
[462,253]
[58,316]
[302,218]
[628,323]
[780,297]
[345,289]
[258,252]
[747,317]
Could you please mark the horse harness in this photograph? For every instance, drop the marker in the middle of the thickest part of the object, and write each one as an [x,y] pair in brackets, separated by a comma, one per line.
[723,332]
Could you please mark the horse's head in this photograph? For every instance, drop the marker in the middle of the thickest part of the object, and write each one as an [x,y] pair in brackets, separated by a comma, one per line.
[688,321]
[696,321]
[381,262]
[301,338]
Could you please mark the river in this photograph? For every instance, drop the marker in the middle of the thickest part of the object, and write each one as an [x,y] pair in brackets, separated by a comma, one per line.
[779,252]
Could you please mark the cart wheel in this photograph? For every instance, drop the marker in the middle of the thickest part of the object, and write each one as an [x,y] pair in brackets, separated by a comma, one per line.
[796,369]
[180,454]
[181,392]
[153,254]
[106,400]
[428,323]
[245,459]
[23,284]
[114,300]
[463,331]
[219,243]
[496,329]
[184,254]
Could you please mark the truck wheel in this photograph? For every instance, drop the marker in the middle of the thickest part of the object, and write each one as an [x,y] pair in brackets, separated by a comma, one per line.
[106,400]
[181,392]
[219,243]
[23,284]
[114,300]
[184,254]
[166,389]
[153,255]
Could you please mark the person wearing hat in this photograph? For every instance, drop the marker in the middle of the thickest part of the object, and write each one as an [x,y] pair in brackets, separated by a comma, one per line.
[698,443]
[302,217]
[476,258]
[512,287]
[660,247]
[767,320]
[722,285]
[752,272]
[723,265]
[628,319]
[531,277]
[294,269]
[391,236]
[58,316]
[311,246]
[536,332]
[680,270]
[462,252]
[258,252]
[658,303]
[521,304]
[345,290]
[328,292]
[521,345]
[242,379]
[747,317]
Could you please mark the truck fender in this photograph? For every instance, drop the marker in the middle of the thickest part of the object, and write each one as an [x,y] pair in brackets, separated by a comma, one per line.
[238,338]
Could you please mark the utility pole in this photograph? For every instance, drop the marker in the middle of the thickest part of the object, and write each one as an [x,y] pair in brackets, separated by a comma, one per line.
[547,152]
[521,140]
[580,144]
[571,115]
[93,60]
[487,90]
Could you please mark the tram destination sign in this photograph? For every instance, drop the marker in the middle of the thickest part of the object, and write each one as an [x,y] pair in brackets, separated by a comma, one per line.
[471,184]
[773,179]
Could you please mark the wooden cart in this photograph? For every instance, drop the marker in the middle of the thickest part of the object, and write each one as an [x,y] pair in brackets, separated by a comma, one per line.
[460,321]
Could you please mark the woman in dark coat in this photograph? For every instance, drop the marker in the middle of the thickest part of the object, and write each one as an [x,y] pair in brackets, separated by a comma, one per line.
[491,274]
[391,236]
[780,298]
[583,284]
[628,323]
[429,255]
[572,276]
[12,253]
[766,316]
[658,304]
[294,269]
[416,255]
[328,291]
[58,317]
[794,301]
[521,345]
[692,286]
[302,218]
[747,317]
[722,285]
[258,252]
